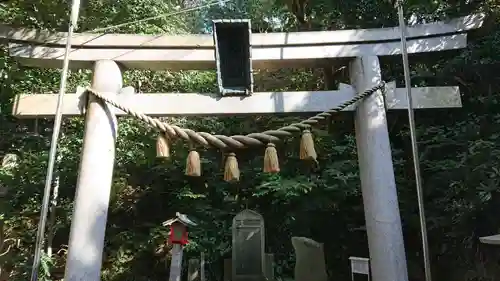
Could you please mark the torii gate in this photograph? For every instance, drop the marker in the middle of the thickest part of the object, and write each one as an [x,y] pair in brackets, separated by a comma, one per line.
[105,52]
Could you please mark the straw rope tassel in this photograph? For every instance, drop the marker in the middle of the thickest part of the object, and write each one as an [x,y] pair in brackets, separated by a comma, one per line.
[307,150]
[162,147]
[193,164]
[271,162]
[231,170]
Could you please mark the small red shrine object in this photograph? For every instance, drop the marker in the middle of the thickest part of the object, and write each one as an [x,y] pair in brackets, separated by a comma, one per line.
[178,229]
[178,233]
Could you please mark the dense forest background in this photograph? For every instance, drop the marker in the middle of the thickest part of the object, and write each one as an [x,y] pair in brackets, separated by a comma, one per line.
[459,149]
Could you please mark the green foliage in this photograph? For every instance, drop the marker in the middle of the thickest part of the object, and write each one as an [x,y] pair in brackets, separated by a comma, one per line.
[459,151]
[46,264]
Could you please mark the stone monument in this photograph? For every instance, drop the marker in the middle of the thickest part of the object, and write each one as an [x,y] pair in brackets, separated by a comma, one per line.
[309,260]
[248,247]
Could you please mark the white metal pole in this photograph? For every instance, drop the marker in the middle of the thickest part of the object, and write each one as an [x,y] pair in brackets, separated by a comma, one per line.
[75,7]
[414,144]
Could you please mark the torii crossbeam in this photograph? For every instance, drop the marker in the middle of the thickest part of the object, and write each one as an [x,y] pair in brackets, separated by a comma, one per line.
[194,104]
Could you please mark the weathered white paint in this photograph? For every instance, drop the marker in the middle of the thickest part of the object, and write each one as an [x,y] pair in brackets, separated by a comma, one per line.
[192,58]
[37,37]
[93,187]
[383,222]
[175,104]
[176,263]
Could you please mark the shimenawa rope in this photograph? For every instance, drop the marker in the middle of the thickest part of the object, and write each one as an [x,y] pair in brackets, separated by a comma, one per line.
[236,141]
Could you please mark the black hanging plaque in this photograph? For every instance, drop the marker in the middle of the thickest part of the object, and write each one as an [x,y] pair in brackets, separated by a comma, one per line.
[233,56]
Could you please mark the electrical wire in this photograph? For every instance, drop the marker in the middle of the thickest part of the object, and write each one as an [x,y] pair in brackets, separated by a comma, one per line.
[414,144]
[75,7]
[209,4]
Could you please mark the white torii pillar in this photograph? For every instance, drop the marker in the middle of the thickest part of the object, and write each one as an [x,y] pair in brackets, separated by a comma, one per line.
[378,185]
[93,187]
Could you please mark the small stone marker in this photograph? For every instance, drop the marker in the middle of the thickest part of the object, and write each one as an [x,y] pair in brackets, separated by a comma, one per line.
[248,247]
[310,260]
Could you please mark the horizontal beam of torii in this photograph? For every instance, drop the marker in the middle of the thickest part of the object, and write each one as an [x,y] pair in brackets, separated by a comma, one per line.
[269,50]
[259,40]
[176,104]
[203,59]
